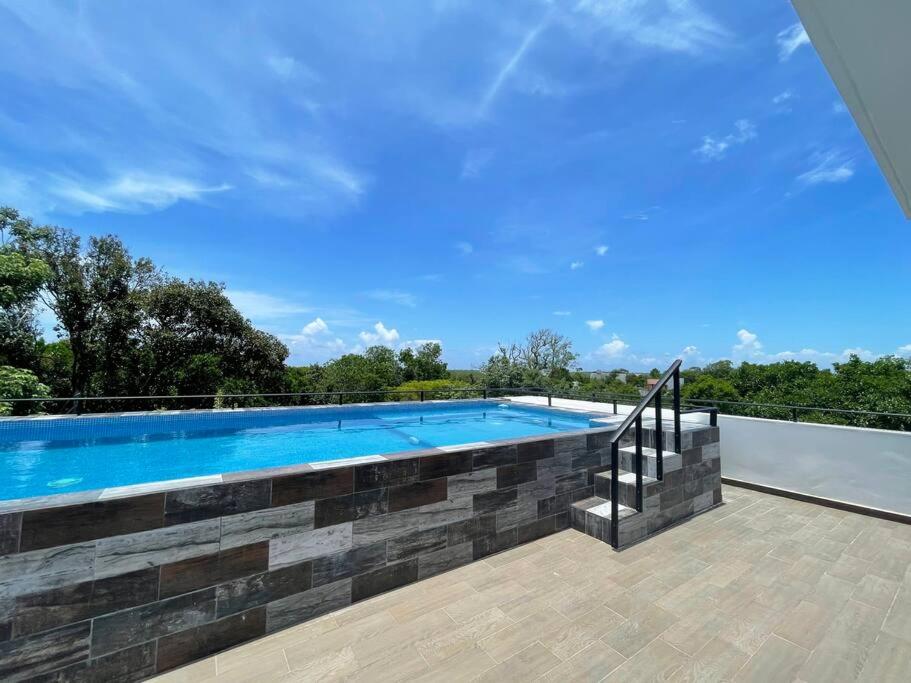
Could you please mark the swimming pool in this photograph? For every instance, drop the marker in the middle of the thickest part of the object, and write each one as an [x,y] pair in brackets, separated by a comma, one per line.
[44,456]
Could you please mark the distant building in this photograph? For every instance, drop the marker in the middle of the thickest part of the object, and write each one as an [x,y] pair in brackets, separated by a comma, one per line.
[604,374]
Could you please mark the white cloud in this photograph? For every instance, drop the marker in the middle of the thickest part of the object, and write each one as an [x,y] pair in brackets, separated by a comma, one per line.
[790,39]
[713,149]
[612,349]
[287,68]
[904,350]
[783,97]
[415,344]
[575,265]
[642,214]
[830,168]
[594,325]
[132,192]
[563,313]
[314,327]
[394,296]
[509,66]
[689,351]
[475,161]
[261,306]
[668,25]
[749,343]
[601,249]
[380,335]
[464,248]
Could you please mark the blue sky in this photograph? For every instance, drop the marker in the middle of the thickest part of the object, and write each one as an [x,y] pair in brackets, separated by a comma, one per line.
[649,177]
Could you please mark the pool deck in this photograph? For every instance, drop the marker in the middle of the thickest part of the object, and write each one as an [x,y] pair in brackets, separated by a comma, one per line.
[761,588]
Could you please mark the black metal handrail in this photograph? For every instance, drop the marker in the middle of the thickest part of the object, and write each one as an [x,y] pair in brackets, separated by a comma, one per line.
[635,418]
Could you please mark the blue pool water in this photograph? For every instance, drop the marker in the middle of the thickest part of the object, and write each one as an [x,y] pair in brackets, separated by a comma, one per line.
[40,457]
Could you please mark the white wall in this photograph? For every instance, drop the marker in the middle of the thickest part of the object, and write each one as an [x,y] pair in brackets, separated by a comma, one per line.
[869,467]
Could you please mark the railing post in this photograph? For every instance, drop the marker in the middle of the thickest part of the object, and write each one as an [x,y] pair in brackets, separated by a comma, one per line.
[639,463]
[615,494]
[615,406]
[422,395]
[549,399]
[659,438]
[485,392]
[677,435]
[794,415]
[340,398]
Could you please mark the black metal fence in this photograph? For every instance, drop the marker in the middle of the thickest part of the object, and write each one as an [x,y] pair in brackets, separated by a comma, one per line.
[117,404]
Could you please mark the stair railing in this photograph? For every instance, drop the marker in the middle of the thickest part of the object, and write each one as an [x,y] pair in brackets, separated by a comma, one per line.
[672,374]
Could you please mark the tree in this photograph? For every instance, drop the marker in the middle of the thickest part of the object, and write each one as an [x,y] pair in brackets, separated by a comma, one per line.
[546,351]
[21,277]
[96,296]
[709,388]
[425,364]
[19,383]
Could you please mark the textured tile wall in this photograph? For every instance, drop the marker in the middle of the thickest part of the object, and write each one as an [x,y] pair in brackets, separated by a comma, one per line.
[121,589]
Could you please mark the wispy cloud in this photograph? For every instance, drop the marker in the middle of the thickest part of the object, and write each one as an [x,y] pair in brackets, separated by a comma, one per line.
[594,325]
[831,167]
[790,39]
[563,314]
[394,296]
[475,161]
[714,149]
[128,193]
[601,249]
[509,66]
[464,248]
[667,25]
[641,214]
[576,265]
[262,306]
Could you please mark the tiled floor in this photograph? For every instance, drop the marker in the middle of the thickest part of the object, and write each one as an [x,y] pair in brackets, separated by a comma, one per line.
[759,589]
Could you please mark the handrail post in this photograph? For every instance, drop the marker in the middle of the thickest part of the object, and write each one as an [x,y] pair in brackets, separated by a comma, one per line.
[659,438]
[549,399]
[485,392]
[677,435]
[794,415]
[615,494]
[422,395]
[639,463]
[615,406]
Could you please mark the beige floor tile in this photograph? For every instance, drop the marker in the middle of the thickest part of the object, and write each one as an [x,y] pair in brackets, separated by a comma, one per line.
[326,666]
[888,660]
[658,661]
[591,664]
[518,636]
[467,665]
[805,625]
[582,632]
[717,661]
[691,633]
[447,643]
[202,671]
[535,660]
[639,630]
[876,591]
[898,623]
[776,660]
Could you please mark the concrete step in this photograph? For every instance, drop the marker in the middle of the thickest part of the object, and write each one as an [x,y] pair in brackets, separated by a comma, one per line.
[671,461]
[626,485]
[592,516]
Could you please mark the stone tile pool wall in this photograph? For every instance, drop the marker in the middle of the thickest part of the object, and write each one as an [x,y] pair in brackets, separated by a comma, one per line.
[123,588]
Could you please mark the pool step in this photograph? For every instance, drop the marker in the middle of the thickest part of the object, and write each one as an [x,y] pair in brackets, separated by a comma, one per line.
[626,486]
[592,516]
[671,461]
